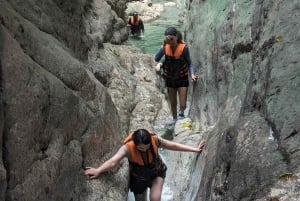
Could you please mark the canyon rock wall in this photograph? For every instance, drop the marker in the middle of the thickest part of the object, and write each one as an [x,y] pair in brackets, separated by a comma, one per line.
[57,114]
[247,96]
[71,89]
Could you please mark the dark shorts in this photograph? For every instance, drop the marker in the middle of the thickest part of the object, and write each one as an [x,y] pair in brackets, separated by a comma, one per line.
[176,83]
[141,179]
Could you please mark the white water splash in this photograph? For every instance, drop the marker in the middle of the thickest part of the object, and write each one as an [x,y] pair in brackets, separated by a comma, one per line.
[271,132]
[167,195]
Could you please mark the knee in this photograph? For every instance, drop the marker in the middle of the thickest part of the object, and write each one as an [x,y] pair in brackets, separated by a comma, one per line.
[155,197]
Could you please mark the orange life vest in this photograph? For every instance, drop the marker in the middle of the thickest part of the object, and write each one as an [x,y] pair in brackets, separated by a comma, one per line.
[134,22]
[178,52]
[175,66]
[135,155]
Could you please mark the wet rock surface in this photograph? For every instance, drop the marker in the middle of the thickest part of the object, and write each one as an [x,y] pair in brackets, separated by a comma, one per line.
[248,92]
[71,89]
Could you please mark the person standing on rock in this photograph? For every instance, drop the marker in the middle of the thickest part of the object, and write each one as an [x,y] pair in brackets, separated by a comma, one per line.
[176,69]
[147,169]
[136,25]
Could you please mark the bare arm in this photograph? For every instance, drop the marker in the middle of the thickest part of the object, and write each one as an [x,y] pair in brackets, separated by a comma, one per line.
[181,147]
[107,165]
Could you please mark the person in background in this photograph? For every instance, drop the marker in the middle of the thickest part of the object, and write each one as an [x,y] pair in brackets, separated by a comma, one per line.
[177,66]
[147,169]
[136,25]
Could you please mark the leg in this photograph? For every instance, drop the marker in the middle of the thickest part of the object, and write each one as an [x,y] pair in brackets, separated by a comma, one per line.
[172,92]
[156,189]
[182,91]
[141,197]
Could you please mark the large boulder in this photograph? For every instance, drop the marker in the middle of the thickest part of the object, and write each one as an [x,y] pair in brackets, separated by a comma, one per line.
[56,116]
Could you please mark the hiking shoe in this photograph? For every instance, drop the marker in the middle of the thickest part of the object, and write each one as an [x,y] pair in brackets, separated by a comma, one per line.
[181,114]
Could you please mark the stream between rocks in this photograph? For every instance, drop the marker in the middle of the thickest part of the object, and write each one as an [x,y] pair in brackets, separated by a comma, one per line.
[154,33]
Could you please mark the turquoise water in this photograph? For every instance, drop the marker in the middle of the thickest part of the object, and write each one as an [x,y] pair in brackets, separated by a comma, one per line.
[154,31]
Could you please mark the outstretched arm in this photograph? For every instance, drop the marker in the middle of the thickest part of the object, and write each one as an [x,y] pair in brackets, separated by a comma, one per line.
[181,147]
[109,164]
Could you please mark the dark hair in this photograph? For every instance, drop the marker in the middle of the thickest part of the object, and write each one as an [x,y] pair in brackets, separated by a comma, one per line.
[179,37]
[171,31]
[174,32]
[141,136]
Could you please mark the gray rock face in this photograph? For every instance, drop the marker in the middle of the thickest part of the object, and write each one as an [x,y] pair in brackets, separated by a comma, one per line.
[248,54]
[71,90]
[56,117]
[68,97]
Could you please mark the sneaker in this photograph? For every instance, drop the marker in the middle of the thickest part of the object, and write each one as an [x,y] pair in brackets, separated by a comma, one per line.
[181,114]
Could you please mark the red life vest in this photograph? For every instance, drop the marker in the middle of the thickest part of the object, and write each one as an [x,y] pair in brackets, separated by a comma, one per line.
[134,153]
